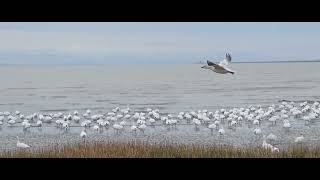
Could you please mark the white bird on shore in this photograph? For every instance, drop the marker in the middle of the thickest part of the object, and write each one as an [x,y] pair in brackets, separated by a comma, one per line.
[11,117]
[83,134]
[127,116]
[76,119]
[257,131]
[47,119]
[188,116]
[56,116]
[69,117]
[102,123]
[22,117]
[113,119]
[197,122]
[41,117]
[133,128]
[65,125]
[273,120]
[266,145]
[117,127]
[221,131]
[39,123]
[94,117]
[96,127]
[142,127]
[85,115]
[152,121]
[22,145]
[26,125]
[123,123]
[256,122]
[275,149]
[286,124]
[299,139]
[212,127]
[111,114]
[233,124]
[217,122]
[12,122]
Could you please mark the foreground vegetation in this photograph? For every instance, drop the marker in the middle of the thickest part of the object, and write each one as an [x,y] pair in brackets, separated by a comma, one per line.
[144,150]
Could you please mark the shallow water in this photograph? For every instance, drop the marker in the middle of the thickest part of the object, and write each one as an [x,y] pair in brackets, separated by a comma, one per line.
[170,88]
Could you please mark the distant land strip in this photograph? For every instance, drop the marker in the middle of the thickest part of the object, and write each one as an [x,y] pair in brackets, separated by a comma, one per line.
[297,61]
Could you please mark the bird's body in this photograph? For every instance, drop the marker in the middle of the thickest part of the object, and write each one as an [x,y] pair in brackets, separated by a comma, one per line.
[299,139]
[221,131]
[39,123]
[21,145]
[83,134]
[133,128]
[257,131]
[268,146]
[96,127]
[220,68]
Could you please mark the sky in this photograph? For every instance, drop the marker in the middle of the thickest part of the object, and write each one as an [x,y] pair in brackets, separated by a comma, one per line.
[156,42]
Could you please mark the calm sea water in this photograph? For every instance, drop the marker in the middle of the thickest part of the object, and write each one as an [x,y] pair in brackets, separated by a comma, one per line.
[170,88]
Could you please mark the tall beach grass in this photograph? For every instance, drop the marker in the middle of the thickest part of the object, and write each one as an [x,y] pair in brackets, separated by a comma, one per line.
[133,149]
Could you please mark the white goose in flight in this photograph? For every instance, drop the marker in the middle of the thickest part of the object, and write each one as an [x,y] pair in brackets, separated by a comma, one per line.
[221,67]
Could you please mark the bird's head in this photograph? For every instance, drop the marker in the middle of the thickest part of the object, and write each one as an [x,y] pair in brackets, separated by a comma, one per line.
[205,67]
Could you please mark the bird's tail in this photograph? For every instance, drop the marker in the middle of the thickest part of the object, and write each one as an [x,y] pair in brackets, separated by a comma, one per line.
[231,72]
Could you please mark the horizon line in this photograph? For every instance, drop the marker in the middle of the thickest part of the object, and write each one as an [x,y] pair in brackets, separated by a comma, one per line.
[238,62]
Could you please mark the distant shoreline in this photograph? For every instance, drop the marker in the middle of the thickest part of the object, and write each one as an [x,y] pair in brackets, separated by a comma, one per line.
[307,61]
[244,62]
[280,61]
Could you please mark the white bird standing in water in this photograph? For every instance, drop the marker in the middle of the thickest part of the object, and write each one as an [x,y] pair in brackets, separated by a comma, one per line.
[257,131]
[220,68]
[83,134]
[21,145]
[299,139]
[96,127]
[221,131]
[212,127]
[134,128]
[39,123]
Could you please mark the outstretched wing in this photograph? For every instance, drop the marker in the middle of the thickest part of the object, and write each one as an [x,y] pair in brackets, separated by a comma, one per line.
[217,66]
[226,61]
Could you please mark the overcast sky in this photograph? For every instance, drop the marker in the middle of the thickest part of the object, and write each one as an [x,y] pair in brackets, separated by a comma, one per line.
[157,42]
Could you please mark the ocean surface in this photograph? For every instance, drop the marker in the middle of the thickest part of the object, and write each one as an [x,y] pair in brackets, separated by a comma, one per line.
[169,88]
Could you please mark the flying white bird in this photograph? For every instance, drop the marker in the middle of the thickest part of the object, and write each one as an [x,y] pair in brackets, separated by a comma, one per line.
[220,68]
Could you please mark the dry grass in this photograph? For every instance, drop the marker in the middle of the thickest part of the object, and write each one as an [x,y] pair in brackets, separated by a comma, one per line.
[144,150]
